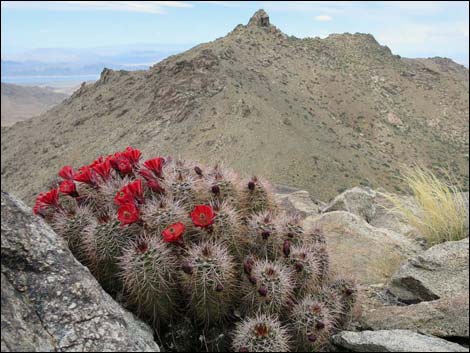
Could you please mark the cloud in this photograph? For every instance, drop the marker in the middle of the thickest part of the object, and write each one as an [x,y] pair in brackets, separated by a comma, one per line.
[154,7]
[323,18]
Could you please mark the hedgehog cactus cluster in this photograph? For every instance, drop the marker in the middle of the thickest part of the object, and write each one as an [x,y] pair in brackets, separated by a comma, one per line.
[172,238]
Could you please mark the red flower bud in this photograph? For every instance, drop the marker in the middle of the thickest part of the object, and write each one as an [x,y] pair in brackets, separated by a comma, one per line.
[251,185]
[312,338]
[219,288]
[265,234]
[198,170]
[187,268]
[252,280]
[215,189]
[299,267]
[263,291]
[142,248]
[248,266]
[286,248]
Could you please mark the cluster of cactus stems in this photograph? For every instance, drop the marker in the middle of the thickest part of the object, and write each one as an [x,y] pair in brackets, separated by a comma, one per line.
[174,239]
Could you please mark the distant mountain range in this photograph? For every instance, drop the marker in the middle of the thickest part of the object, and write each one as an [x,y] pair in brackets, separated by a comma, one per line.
[59,62]
[318,114]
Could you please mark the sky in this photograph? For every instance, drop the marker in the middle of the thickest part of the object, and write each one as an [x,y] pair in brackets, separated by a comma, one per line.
[408,28]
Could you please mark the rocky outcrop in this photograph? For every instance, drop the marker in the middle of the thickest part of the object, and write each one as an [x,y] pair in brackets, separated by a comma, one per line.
[393,341]
[442,271]
[447,318]
[358,200]
[357,249]
[296,201]
[50,302]
[259,19]
[372,206]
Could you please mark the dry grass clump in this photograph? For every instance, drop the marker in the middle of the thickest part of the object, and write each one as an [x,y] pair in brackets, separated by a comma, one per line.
[441,213]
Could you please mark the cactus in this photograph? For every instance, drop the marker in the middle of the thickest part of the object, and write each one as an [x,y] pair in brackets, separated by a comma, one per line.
[208,277]
[159,212]
[103,244]
[183,184]
[71,226]
[306,268]
[261,333]
[148,273]
[222,184]
[346,290]
[268,287]
[174,238]
[313,325]
[263,237]
[290,228]
[256,196]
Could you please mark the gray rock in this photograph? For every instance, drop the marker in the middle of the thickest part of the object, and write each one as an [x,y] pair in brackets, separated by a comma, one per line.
[448,317]
[441,271]
[357,249]
[50,302]
[296,201]
[394,341]
[358,200]
[377,210]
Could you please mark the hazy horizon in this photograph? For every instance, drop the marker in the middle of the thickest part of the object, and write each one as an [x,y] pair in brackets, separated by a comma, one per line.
[80,38]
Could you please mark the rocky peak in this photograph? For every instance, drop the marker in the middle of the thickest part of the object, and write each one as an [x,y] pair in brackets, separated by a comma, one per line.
[259,19]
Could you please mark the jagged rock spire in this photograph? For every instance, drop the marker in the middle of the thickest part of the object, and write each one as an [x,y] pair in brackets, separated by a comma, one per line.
[259,19]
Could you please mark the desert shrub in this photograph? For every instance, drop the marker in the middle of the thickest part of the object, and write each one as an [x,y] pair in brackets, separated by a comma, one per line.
[441,212]
[177,242]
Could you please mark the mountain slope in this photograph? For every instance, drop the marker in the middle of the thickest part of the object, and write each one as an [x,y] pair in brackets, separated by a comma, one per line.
[23,102]
[320,114]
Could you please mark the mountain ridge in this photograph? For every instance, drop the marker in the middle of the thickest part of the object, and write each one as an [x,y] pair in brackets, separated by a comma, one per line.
[23,102]
[318,114]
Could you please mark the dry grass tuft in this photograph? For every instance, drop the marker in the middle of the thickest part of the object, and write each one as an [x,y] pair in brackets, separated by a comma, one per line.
[441,211]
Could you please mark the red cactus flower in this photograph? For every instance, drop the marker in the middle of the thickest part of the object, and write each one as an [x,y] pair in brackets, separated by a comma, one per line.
[202,216]
[152,181]
[67,173]
[135,188]
[103,169]
[96,161]
[155,165]
[132,155]
[124,166]
[85,175]
[123,197]
[128,214]
[45,200]
[49,198]
[173,233]
[68,187]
